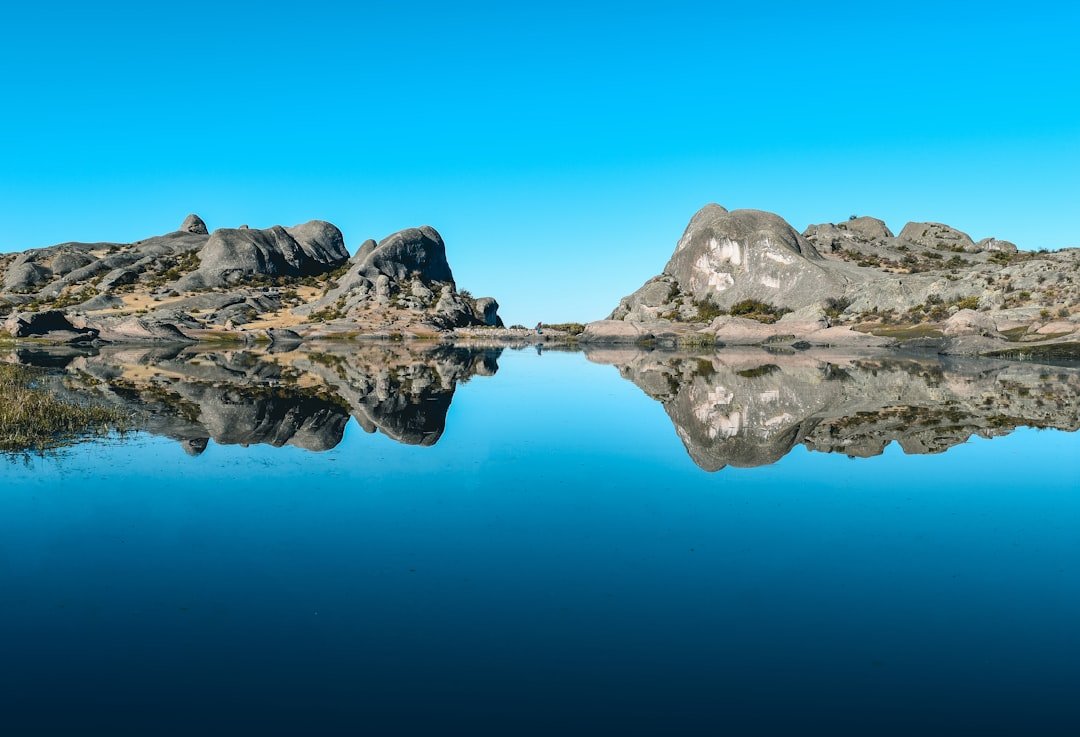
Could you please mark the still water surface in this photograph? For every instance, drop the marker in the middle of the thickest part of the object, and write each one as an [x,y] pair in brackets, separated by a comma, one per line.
[502,542]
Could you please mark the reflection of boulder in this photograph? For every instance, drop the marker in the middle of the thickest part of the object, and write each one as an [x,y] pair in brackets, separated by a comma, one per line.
[750,408]
[402,393]
[246,397]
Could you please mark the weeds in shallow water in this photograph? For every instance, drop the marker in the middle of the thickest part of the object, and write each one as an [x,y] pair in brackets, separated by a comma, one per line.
[33,420]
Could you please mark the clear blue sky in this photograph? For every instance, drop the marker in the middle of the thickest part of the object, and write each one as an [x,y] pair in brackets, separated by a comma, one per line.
[560,148]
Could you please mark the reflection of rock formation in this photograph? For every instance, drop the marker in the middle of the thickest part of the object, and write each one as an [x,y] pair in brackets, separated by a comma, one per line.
[750,408]
[244,397]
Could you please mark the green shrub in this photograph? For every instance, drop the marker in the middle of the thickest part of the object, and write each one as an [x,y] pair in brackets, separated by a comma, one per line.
[834,307]
[707,310]
[756,310]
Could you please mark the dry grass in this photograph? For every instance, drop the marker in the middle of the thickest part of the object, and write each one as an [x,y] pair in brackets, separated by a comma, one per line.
[33,420]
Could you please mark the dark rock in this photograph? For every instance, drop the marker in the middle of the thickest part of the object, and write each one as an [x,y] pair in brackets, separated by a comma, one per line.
[41,324]
[487,309]
[283,335]
[416,252]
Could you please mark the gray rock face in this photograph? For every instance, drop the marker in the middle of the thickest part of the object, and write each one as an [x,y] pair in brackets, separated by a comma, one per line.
[936,235]
[861,231]
[867,228]
[232,256]
[415,251]
[194,224]
[727,257]
[408,271]
[25,276]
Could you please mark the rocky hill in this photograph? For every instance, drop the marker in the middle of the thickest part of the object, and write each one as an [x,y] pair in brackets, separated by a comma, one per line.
[747,277]
[276,283]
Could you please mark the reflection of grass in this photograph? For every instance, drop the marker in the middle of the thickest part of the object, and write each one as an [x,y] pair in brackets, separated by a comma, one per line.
[1015,334]
[903,332]
[32,419]
[758,371]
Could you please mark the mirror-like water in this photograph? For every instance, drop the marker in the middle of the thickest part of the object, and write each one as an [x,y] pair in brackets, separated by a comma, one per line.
[444,539]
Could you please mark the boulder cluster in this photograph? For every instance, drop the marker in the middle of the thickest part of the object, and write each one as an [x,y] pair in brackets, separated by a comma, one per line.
[277,282]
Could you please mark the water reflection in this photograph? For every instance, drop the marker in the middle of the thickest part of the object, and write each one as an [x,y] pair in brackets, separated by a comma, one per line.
[740,408]
[245,396]
[750,408]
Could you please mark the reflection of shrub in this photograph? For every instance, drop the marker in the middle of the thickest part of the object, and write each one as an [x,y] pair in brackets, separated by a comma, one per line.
[759,371]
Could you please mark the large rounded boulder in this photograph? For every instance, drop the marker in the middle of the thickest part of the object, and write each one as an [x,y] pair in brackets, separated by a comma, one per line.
[416,252]
[937,235]
[235,255]
[726,257]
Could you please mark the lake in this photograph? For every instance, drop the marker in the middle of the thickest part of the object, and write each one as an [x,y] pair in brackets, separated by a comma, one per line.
[459,540]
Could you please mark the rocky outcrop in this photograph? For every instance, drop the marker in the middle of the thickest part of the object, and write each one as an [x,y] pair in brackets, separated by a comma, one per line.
[245,283]
[936,235]
[407,272]
[50,324]
[194,224]
[995,244]
[855,278]
[725,257]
